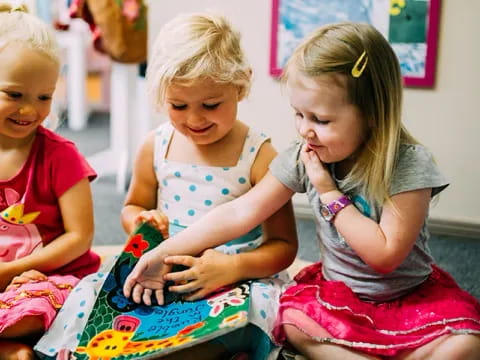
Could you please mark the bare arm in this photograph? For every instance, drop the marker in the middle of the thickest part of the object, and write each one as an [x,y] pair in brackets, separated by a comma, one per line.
[214,269]
[277,252]
[230,220]
[77,213]
[279,231]
[141,201]
[385,245]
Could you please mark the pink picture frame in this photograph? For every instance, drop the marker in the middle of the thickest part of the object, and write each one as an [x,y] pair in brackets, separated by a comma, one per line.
[417,55]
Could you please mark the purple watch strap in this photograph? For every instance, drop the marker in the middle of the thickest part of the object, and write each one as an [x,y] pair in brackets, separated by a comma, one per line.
[337,205]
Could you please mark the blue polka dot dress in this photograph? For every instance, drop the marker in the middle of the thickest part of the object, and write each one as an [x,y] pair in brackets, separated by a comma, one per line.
[186,192]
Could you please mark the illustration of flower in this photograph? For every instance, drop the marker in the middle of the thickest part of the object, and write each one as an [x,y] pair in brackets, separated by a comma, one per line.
[136,246]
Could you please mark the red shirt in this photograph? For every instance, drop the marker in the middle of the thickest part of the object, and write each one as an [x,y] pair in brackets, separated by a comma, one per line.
[53,166]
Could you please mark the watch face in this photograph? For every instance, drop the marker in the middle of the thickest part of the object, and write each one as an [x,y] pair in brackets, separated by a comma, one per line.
[326,213]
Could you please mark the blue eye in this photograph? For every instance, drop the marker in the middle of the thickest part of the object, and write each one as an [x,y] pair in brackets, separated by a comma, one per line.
[211,106]
[179,107]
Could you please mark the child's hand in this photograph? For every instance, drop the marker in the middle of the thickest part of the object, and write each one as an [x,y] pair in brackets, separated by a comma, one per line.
[317,171]
[146,278]
[206,273]
[155,218]
[27,276]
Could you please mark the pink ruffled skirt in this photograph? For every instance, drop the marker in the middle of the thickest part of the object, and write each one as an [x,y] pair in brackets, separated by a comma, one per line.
[42,298]
[435,308]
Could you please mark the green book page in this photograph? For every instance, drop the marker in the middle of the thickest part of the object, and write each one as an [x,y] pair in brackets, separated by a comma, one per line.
[118,328]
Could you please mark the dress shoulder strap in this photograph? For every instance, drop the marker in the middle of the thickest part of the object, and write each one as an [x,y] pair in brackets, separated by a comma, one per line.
[252,145]
[163,134]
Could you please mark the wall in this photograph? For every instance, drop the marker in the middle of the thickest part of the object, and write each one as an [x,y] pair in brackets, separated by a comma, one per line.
[446,119]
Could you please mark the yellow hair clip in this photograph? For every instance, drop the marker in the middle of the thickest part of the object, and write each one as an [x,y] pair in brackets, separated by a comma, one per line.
[356,69]
[20,8]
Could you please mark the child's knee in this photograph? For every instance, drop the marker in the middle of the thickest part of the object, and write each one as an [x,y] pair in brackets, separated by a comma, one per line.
[15,351]
[25,327]
[295,336]
[465,347]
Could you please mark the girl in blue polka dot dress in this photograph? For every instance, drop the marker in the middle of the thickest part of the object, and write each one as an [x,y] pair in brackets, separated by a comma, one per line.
[201,158]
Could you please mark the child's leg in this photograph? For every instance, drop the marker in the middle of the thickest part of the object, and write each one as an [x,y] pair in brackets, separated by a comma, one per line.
[26,327]
[464,347]
[15,351]
[314,350]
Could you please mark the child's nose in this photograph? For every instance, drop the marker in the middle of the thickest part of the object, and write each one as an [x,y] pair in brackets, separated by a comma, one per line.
[26,109]
[305,130]
[196,118]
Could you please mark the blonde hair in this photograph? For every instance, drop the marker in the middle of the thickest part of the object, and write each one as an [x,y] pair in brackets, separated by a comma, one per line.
[192,47]
[377,93]
[17,26]
[20,27]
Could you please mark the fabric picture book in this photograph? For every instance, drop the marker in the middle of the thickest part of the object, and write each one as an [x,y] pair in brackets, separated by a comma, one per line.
[120,329]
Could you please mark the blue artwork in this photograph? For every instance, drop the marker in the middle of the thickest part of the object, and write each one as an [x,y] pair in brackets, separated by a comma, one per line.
[298,18]
[403,22]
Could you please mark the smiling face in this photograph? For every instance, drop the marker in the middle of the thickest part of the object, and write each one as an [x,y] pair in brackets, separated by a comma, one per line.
[330,125]
[204,112]
[27,83]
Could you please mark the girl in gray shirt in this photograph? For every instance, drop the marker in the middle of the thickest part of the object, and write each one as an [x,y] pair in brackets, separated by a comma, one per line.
[376,291]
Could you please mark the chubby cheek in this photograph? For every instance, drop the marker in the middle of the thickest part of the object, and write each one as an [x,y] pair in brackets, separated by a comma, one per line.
[44,111]
[175,118]
[334,148]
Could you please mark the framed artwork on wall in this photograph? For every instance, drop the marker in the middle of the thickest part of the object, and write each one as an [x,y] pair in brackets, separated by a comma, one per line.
[411,27]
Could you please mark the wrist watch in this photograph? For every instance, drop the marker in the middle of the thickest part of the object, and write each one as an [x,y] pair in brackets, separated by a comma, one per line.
[329,211]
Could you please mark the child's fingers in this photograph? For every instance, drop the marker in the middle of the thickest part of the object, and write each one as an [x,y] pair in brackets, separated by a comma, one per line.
[160,297]
[144,216]
[30,275]
[304,149]
[164,230]
[137,293]
[197,295]
[179,276]
[161,222]
[156,218]
[13,285]
[185,288]
[130,282]
[35,275]
[186,260]
[147,297]
[20,279]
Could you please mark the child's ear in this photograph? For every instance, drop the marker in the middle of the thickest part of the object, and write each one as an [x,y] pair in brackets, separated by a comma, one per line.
[243,90]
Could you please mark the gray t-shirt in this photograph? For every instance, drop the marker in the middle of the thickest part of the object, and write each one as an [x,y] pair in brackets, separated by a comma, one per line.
[415,169]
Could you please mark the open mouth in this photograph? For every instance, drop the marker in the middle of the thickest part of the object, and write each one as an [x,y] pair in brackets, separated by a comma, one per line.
[19,122]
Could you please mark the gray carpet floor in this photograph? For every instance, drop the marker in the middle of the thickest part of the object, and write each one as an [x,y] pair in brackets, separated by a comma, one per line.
[459,256]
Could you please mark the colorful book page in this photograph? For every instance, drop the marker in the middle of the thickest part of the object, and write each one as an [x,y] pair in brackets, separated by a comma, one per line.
[118,328]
